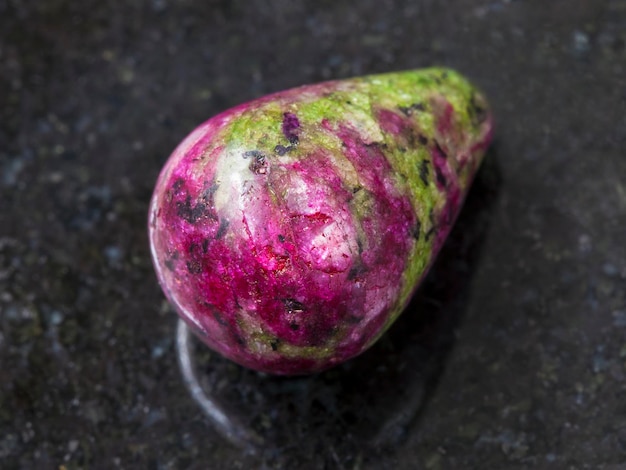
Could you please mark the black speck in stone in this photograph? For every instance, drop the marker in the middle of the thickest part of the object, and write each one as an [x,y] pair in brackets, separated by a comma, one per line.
[282,150]
[417,229]
[177,185]
[208,193]
[191,214]
[430,233]
[253,154]
[293,306]
[221,231]
[410,110]
[440,151]
[258,165]
[440,178]
[356,271]
[424,171]
[219,318]
[194,267]
[198,211]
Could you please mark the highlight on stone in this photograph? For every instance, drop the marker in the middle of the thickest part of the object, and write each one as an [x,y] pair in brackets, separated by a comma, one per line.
[290,232]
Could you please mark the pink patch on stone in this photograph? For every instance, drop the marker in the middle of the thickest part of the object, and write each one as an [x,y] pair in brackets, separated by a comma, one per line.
[391,122]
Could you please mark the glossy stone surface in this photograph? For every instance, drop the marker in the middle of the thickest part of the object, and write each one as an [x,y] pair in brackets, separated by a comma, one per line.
[291,231]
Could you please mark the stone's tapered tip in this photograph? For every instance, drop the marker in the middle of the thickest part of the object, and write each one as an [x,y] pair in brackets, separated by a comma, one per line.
[291,231]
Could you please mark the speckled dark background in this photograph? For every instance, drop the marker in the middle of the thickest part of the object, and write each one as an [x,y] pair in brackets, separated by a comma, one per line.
[513,354]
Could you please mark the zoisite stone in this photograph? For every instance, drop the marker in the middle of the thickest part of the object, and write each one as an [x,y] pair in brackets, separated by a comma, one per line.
[291,231]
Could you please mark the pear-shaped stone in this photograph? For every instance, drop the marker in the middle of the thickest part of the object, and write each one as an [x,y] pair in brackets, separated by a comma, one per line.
[291,231]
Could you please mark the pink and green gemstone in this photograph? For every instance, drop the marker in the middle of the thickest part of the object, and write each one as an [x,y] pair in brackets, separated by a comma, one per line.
[290,232]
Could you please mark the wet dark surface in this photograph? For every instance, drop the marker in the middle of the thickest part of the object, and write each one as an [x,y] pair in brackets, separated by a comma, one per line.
[512,354]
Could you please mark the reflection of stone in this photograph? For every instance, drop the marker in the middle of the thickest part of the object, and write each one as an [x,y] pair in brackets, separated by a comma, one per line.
[227,425]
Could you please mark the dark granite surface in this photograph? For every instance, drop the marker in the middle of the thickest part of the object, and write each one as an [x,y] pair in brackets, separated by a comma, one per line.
[512,354]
